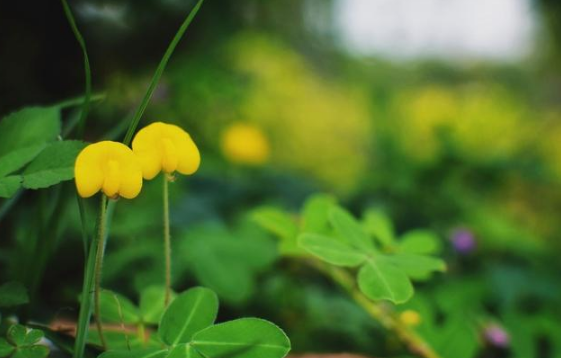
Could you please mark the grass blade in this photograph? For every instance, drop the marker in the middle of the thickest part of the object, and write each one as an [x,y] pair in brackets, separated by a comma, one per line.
[87,69]
[159,71]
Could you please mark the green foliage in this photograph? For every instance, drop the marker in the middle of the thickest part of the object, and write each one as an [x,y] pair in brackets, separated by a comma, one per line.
[332,250]
[22,342]
[27,138]
[380,280]
[24,133]
[118,310]
[13,294]
[452,334]
[282,225]
[387,265]
[191,312]
[187,330]
[242,338]
[227,261]
[53,165]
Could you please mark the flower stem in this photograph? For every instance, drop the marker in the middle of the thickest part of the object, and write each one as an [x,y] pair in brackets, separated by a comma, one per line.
[167,240]
[378,311]
[88,286]
[100,250]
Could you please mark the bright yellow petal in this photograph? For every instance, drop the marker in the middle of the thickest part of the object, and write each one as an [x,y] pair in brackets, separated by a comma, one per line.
[147,146]
[169,155]
[88,172]
[113,174]
[131,184]
[187,152]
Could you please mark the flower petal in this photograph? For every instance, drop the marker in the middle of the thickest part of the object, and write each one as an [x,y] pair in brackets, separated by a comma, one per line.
[187,152]
[88,173]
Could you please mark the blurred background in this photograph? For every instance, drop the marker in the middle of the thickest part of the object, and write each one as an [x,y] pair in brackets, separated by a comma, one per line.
[446,115]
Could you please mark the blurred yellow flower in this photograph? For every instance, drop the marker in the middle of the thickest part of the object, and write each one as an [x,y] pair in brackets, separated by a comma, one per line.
[410,317]
[480,122]
[318,126]
[245,144]
[110,167]
[161,146]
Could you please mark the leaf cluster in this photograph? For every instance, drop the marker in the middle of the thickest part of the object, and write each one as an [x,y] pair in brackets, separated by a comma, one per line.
[386,265]
[187,329]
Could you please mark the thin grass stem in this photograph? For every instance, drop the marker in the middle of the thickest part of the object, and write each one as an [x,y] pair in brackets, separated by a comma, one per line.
[158,73]
[87,69]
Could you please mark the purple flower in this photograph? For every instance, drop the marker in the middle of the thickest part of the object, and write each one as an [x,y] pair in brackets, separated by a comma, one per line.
[496,336]
[463,241]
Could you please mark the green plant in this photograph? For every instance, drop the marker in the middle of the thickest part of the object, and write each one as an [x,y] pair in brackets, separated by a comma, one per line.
[331,240]
[22,342]
[187,329]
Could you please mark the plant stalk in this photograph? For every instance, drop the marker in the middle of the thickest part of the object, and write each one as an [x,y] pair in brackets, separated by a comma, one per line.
[158,73]
[100,250]
[167,239]
[88,287]
[379,312]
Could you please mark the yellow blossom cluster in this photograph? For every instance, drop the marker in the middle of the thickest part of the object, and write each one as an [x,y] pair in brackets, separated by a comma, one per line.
[117,170]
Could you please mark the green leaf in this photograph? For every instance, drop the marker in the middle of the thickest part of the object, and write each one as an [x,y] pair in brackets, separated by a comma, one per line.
[420,242]
[16,159]
[119,339]
[32,337]
[16,334]
[227,263]
[5,348]
[380,280]
[279,223]
[242,338]
[331,250]
[13,294]
[457,339]
[115,308]
[31,352]
[184,351]
[189,313]
[417,267]
[379,225]
[276,221]
[152,304]
[349,229]
[315,214]
[53,165]
[138,353]
[24,131]
[9,185]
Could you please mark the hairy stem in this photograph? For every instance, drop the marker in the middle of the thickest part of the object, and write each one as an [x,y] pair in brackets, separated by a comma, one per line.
[378,311]
[100,250]
[167,239]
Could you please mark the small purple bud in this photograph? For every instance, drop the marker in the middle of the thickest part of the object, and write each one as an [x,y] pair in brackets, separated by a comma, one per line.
[497,336]
[463,241]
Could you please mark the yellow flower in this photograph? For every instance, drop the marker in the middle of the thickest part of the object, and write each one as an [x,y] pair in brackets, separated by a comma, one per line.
[410,318]
[110,167]
[245,144]
[160,146]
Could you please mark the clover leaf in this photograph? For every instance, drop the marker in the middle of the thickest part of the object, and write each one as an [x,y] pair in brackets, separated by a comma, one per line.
[187,330]
[381,276]
[119,310]
[22,342]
